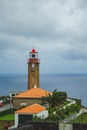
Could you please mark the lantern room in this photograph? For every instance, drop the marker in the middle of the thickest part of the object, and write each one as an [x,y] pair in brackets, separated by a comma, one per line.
[33,56]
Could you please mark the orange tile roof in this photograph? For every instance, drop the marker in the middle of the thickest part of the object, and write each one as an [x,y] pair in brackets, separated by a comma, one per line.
[33,109]
[33,93]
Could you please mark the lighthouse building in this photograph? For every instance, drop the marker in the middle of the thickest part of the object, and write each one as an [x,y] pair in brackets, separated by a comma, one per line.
[34,93]
[33,69]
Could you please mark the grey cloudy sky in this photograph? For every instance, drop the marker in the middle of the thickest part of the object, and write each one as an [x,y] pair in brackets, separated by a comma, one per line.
[57,29]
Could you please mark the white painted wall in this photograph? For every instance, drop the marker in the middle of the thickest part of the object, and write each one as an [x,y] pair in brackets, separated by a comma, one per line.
[69,104]
[16,120]
[42,114]
[72,117]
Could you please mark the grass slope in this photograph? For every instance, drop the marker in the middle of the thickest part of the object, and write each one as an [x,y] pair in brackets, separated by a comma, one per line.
[7,117]
[81,119]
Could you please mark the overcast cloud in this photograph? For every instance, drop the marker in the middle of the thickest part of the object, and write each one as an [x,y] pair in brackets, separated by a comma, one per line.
[56,28]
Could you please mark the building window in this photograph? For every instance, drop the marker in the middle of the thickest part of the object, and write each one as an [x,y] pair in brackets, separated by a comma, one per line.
[23,105]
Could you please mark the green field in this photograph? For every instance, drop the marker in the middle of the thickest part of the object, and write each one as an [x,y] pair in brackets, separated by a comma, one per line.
[7,117]
[81,119]
[1,128]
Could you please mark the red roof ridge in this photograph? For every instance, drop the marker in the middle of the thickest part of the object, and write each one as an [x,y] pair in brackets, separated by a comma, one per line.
[33,109]
[38,94]
[33,93]
[36,104]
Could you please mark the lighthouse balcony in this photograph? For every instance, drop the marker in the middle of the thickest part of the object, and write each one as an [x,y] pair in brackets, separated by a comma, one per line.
[33,60]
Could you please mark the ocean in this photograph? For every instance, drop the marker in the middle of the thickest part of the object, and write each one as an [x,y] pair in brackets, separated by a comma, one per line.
[74,85]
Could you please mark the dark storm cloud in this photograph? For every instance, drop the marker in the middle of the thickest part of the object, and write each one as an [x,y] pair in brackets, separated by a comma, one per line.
[56,26]
[41,18]
[76,54]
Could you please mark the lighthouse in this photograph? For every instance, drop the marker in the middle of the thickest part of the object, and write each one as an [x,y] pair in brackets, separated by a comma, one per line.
[34,94]
[33,69]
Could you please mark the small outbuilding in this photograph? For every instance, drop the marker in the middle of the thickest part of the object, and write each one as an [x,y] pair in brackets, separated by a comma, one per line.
[29,97]
[27,114]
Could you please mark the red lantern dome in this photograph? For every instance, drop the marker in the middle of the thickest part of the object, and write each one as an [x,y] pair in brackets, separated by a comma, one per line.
[33,51]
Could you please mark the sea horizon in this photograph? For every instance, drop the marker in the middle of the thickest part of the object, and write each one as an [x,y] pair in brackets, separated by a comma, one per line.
[75,85]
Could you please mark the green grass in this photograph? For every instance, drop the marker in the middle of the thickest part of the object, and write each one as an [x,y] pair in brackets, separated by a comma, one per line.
[1,127]
[81,119]
[7,117]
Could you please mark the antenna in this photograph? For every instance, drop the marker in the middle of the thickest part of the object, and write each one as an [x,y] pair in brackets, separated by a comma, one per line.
[33,45]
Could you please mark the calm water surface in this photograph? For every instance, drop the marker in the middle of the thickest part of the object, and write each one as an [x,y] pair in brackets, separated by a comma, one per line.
[74,85]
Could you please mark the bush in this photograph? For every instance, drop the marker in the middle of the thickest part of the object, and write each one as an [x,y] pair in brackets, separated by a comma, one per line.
[10,111]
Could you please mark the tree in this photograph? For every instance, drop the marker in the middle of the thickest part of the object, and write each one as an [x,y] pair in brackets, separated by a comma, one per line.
[56,98]
[74,108]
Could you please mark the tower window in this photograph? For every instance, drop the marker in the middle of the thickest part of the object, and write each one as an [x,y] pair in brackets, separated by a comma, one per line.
[33,55]
[33,65]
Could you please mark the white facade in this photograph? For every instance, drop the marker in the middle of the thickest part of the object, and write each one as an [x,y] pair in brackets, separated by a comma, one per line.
[43,114]
[16,120]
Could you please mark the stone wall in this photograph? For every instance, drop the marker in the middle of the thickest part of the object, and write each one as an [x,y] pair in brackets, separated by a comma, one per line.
[18,101]
[33,75]
[44,125]
[79,126]
[63,126]
[27,127]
